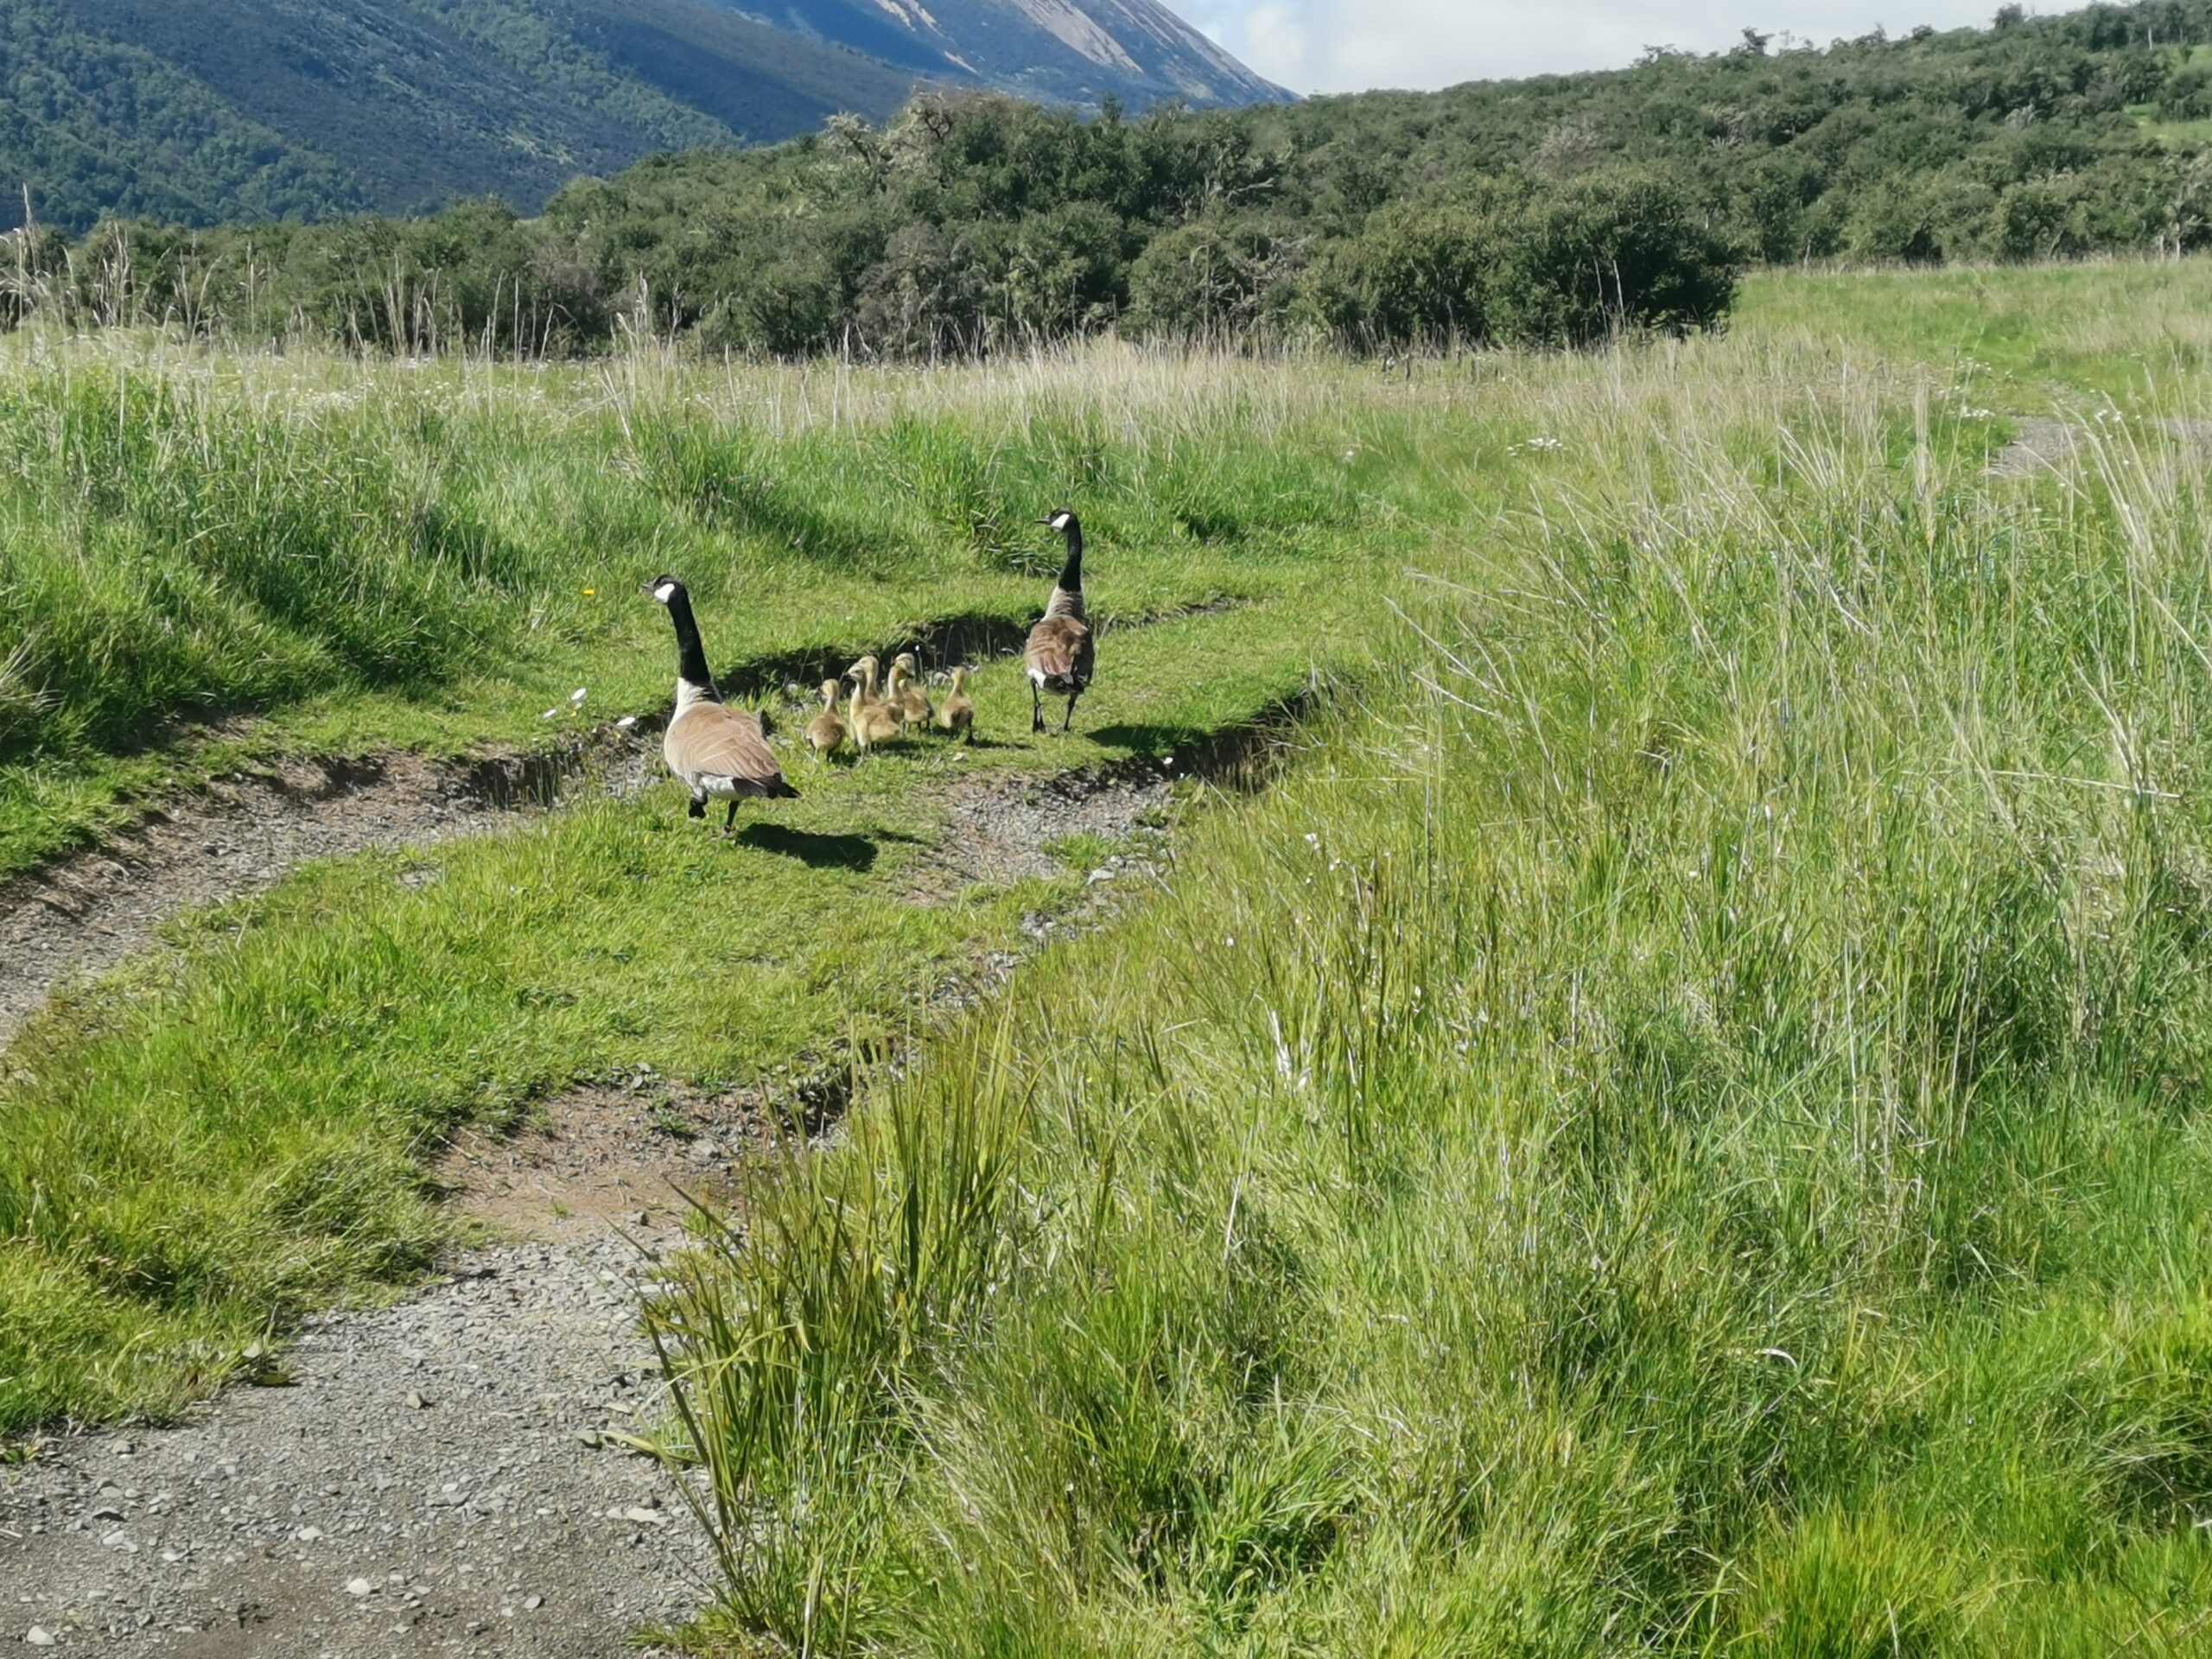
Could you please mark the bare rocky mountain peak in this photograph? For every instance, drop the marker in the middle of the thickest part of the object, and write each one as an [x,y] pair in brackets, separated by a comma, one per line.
[1073,51]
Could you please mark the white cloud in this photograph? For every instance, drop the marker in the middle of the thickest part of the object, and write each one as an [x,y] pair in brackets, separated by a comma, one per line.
[1343,46]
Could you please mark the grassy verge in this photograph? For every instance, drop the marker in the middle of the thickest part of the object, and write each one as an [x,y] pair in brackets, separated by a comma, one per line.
[2009,338]
[1678,1127]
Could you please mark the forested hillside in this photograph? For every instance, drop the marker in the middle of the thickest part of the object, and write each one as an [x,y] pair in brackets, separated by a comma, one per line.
[1547,210]
[230,111]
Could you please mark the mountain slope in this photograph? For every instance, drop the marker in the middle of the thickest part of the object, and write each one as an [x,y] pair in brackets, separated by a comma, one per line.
[1136,50]
[230,110]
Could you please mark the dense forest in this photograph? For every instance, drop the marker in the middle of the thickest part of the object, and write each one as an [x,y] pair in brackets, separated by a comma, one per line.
[1547,210]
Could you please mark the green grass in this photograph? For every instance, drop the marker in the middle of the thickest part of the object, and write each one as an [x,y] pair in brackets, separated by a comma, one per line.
[434,557]
[1678,1126]
[1674,1123]
[204,1146]
[2017,337]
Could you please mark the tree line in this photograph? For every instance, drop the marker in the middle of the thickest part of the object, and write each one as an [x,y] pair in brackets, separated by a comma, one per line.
[1548,211]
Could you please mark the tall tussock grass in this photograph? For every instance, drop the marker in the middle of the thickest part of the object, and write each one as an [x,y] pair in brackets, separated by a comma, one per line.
[1678,1125]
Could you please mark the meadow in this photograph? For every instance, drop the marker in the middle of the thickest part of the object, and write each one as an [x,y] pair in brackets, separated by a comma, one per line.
[1671,1121]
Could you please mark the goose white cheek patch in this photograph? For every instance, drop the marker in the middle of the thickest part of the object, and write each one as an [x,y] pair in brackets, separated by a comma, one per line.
[665,592]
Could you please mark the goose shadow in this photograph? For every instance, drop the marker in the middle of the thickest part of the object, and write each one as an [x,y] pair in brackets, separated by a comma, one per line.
[821,852]
[1141,739]
[818,851]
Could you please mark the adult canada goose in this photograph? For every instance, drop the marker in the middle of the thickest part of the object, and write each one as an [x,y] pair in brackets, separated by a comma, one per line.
[1061,651]
[907,689]
[825,732]
[874,721]
[712,749]
[956,714]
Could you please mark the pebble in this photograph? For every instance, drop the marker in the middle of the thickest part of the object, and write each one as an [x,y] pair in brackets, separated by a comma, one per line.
[40,1637]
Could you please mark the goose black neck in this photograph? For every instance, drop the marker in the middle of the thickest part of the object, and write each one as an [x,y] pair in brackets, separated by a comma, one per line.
[1072,572]
[690,654]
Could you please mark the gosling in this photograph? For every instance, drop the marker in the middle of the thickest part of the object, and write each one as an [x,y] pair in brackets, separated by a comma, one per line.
[957,715]
[907,692]
[825,732]
[872,719]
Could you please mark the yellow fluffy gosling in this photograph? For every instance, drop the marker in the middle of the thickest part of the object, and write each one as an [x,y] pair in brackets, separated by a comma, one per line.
[907,693]
[957,714]
[825,732]
[873,719]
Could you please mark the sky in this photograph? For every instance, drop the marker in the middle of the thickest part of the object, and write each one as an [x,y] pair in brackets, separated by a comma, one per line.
[1347,46]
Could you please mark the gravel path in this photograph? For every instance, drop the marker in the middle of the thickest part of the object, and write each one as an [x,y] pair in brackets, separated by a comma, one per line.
[433,1481]
[2044,445]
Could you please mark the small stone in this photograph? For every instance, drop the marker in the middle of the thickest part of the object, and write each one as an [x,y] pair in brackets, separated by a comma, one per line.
[416,1401]
[108,1512]
[40,1637]
[533,1602]
[119,1540]
[589,1437]
[307,1535]
[645,1517]
[359,1587]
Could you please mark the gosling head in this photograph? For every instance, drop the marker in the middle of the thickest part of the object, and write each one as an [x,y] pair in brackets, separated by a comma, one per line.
[829,694]
[960,679]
